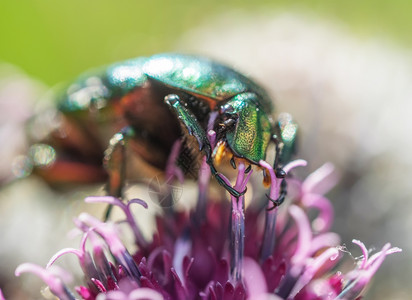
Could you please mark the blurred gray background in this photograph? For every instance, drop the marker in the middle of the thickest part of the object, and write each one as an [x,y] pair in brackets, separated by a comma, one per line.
[343,70]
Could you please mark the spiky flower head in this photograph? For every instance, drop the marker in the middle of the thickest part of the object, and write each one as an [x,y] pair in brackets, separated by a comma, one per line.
[220,249]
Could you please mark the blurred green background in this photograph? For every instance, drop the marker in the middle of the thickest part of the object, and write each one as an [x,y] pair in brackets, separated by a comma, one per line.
[55,40]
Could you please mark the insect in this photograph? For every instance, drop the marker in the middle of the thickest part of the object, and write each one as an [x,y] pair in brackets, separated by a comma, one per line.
[145,102]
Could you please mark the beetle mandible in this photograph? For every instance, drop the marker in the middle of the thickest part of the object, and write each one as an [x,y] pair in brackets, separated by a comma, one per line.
[149,99]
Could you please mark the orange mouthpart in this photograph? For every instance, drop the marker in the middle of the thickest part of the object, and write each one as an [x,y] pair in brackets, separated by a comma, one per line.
[220,153]
[266,178]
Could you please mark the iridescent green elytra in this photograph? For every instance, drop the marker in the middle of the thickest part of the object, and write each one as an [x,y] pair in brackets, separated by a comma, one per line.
[145,100]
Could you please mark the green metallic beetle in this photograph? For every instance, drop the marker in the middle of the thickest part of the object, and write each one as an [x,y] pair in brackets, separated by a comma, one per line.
[144,101]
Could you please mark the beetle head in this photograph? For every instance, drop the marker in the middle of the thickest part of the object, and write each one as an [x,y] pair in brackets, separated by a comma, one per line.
[248,131]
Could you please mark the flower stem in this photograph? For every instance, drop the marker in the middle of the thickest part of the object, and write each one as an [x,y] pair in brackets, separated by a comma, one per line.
[204,174]
[237,223]
[269,236]
[172,172]
[237,238]
[204,179]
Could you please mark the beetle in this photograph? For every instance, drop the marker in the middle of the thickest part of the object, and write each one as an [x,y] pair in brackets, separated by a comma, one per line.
[146,102]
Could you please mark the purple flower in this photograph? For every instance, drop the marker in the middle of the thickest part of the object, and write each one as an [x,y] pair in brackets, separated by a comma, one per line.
[221,249]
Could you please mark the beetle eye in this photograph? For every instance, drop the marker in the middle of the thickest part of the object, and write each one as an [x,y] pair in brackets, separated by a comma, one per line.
[227,109]
[227,116]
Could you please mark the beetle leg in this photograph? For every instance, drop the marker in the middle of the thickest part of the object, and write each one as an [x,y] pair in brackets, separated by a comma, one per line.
[280,173]
[285,148]
[115,163]
[277,142]
[288,130]
[282,195]
[198,132]
[276,164]
[223,183]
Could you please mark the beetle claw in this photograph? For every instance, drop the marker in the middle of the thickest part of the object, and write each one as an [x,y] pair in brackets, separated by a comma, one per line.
[280,173]
[230,189]
[275,203]
[279,201]
[237,194]
[233,163]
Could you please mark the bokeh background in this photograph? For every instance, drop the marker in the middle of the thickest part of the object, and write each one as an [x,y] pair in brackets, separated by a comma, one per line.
[342,68]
